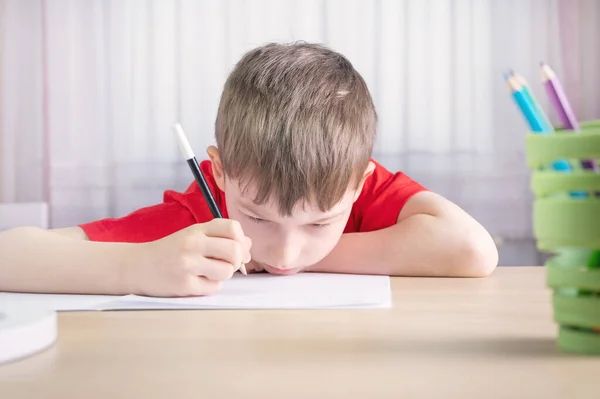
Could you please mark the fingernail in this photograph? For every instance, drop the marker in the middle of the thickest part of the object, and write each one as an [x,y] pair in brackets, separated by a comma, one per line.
[248,258]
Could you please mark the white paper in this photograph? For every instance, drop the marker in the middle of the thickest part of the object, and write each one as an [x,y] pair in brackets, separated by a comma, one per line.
[255,291]
[265,291]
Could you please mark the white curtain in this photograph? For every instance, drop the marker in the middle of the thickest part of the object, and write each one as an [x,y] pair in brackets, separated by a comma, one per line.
[89,90]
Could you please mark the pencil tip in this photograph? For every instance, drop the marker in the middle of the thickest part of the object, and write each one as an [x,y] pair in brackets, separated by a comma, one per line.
[509,73]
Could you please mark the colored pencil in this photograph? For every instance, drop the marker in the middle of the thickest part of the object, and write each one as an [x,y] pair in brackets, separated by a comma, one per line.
[535,123]
[526,107]
[563,108]
[558,98]
[541,115]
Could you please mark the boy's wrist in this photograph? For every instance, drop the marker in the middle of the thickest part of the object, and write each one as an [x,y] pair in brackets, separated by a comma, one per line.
[131,262]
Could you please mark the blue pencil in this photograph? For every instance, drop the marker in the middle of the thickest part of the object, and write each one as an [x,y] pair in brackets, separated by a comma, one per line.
[536,123]
[537,108]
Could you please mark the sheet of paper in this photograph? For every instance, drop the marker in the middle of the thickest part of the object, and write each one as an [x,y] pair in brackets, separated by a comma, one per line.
[265,291]
[256,291]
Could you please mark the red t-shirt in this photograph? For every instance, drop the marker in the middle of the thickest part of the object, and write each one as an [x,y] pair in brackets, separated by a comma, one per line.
[383,196]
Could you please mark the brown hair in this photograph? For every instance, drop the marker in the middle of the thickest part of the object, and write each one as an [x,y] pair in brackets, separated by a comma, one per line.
[298,121]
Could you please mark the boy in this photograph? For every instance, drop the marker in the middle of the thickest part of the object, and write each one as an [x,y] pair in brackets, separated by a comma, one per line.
[293,176]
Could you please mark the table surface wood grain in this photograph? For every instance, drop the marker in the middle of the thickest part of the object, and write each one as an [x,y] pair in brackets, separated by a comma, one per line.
[452,338]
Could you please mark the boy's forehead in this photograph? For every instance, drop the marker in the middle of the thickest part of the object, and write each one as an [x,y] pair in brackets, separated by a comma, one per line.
[270,207]
[304,207]
[244,193]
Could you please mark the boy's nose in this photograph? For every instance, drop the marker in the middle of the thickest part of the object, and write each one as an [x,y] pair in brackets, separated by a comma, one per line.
[285,255]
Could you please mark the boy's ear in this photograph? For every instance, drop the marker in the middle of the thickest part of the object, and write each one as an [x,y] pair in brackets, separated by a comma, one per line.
[368,172]
[217,166]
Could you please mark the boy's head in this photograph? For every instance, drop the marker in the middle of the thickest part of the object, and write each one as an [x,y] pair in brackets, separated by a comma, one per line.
[295,131]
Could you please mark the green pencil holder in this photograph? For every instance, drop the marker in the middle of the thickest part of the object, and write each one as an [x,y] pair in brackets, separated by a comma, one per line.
[566,224]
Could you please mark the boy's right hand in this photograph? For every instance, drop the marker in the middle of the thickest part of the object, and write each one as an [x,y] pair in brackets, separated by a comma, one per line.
[193,261]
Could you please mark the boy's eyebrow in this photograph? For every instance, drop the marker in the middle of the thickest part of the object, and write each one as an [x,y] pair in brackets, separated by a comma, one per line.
[248,208]
[330,217]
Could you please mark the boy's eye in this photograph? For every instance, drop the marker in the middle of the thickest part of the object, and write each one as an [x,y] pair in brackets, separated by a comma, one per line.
[259,220]
[256,220]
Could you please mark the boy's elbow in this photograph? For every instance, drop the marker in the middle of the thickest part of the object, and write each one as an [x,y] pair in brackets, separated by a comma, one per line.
[479,255]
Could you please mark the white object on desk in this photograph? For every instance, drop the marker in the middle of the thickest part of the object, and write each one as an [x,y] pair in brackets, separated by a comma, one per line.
[255,291]
[25,331]
[57,302]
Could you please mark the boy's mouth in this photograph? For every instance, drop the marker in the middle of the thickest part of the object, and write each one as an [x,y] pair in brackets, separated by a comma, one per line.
[281,272]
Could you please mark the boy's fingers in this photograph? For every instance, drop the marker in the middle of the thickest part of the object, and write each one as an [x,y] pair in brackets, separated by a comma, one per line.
[199,285]
[214,270]
[228,228]
[247,256]
[224,228]
[223,249]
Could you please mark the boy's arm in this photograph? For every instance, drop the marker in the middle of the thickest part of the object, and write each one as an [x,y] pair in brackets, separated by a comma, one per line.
[432,237]
[61,261]
[192,261]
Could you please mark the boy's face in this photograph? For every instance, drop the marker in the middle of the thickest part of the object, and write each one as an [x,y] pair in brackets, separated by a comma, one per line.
[285,244]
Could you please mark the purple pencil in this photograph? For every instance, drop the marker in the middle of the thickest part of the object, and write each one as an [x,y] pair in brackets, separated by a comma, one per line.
[559,98]
[563,107]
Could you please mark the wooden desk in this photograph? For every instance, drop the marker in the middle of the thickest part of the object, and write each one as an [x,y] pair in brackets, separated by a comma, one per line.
[451,338]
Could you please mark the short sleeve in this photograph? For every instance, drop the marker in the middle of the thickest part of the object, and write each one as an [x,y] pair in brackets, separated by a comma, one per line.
[144,225]
[383,196]
[176,212]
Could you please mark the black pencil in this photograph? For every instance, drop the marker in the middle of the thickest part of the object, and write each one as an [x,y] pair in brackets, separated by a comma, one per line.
[192,162]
